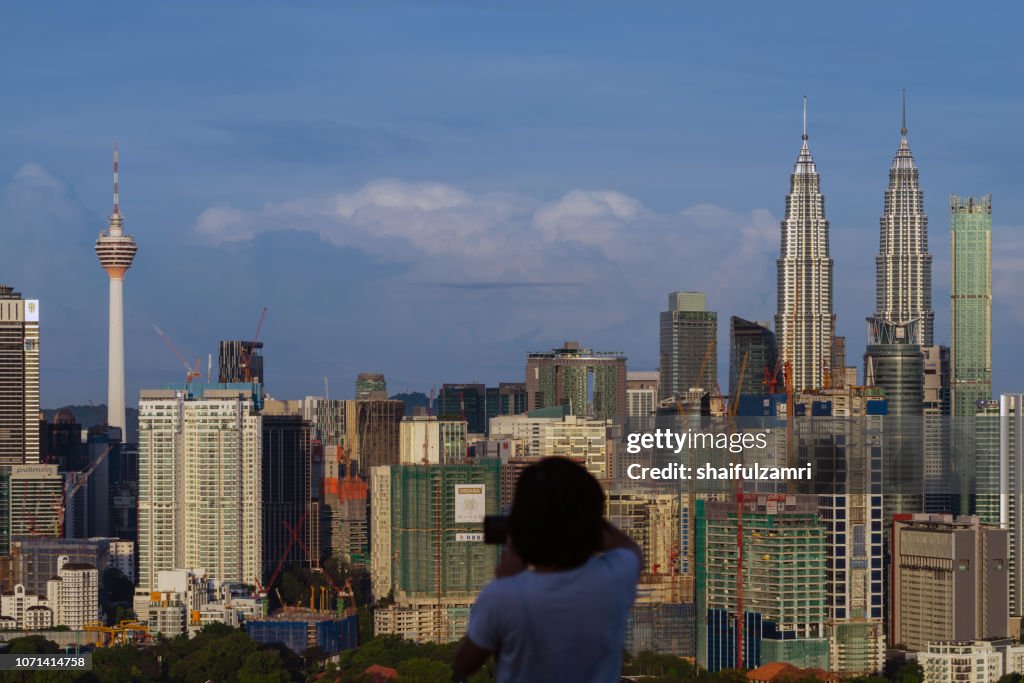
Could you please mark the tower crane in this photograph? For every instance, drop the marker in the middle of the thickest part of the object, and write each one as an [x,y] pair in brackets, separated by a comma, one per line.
[191,371]
[247,352]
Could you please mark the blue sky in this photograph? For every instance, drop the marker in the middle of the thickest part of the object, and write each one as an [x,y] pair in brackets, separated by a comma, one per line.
[432,189]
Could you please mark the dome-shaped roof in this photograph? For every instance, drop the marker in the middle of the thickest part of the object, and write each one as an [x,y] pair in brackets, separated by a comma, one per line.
[64,416]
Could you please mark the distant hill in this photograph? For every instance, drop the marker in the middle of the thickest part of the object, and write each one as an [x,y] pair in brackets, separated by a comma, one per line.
[90,416]
[414,399]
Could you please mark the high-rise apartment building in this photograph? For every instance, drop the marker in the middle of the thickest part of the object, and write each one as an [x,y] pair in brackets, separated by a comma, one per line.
[903,267]
[240,361]
[427,543]
[200,482]
[949,580]
[754,342]
[19,378]
[805,324]
[688,346]
[116,251]
[590,383]
[971,298]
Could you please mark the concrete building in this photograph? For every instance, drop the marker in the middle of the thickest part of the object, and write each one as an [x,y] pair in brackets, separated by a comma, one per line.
[35,558]
[581,439]
[589,383]
[432,440]
[200,482]
[688,348]
[949,580]
[381,557]
[642,393]
[424,623]
[24,610]
[240,361]
[116,251]
[19,378]
[755,342]
[186,600]
[74,594]
[805,323]
[903,267]
[979,661]
[529,429]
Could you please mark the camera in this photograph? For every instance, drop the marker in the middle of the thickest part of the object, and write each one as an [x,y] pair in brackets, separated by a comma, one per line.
[496,529]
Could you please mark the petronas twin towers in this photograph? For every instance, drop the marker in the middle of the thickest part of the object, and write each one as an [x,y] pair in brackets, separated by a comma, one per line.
[805,322]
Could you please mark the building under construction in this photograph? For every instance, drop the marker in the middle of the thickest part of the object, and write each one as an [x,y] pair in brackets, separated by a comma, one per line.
[428,531]
[778,543]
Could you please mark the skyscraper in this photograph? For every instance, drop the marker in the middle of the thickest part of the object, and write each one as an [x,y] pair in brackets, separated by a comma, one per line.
[903,267]
[804,323]
[116,250]
[689,335]
[971,299]
[200,482]
[19,378]
[371,386]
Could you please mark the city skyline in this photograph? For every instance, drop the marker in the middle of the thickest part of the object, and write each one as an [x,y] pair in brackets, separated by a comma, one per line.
[369,229]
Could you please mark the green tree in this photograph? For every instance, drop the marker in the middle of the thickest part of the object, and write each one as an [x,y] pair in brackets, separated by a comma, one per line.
[424,670]
[264,666]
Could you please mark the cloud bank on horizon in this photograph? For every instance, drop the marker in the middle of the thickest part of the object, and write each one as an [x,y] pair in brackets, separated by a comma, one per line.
[424,281]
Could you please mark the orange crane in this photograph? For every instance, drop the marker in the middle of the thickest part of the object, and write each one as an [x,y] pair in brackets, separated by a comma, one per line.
[191,372]
[247,352]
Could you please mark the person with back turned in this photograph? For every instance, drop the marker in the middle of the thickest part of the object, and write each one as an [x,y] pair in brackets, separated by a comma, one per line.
[558,607]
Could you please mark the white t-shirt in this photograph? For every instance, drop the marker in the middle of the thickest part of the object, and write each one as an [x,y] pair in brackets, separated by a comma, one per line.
[558,626]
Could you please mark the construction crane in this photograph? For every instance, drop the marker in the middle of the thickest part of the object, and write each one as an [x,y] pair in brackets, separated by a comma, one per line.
[247,352]
[191,371]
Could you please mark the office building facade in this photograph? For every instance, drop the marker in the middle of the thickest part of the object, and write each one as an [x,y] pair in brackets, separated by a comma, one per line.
[19,378]
[688,348]
[949,580]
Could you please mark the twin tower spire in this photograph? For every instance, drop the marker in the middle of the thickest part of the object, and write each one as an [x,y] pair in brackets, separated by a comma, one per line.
[805,320]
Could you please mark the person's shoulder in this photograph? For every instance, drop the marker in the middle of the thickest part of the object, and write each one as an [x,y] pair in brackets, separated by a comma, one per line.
[499,590]
[620,560]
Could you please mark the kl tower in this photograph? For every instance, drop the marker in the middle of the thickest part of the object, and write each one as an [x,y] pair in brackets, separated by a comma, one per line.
[116,251]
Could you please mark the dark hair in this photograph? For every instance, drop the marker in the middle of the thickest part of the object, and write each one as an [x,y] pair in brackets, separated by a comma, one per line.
[557,516]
